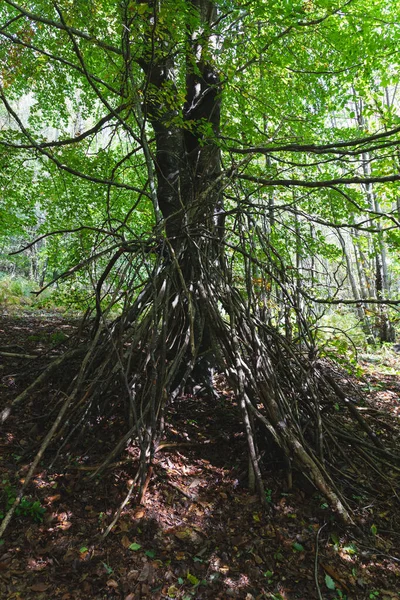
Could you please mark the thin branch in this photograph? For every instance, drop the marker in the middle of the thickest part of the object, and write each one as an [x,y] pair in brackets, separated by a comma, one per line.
[68,141]
[318,184]
[57,25]
[58,163]
[54,57]
[317,149]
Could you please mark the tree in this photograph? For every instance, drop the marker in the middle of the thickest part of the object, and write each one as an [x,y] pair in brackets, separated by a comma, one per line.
[197,121]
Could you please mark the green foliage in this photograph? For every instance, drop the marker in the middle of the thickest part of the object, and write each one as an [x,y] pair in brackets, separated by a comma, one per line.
[340,335]
[27,507]
[15,291]
[329,582]
[134,546]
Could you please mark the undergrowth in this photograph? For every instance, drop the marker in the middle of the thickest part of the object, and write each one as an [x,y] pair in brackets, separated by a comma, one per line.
[27,507]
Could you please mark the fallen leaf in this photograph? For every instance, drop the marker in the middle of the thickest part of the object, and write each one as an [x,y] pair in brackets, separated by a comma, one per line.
[39,587]
[335,576]
[133,574]
[123,526]
[51,499]
[187,534]
[125,541]
[172,591]
[146,573]
[193,580]
[298,547]
[112,583]
[134,546]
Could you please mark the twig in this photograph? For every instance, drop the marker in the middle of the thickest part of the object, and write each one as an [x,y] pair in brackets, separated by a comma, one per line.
[121,508]
[361,421]
[5,413]
[316,564]
[16,355]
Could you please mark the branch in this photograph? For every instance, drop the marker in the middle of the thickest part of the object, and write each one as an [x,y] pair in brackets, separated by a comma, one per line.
[381,302]
[68,141]
[89,78]
[64,231]
[319,149]
[10,22]
[64,61]
[286,31]
[59,164]
[58,25]
[318,184]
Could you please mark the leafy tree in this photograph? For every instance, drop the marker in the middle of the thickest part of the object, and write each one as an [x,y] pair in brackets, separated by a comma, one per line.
[202,152]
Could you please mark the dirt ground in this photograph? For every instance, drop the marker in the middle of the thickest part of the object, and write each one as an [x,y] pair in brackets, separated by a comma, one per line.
[199,533]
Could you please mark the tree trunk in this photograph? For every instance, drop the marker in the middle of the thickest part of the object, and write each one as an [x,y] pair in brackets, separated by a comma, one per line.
[384,327]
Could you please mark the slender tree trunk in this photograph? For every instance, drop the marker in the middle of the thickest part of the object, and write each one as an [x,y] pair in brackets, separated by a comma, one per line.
[360,309]
[384,326]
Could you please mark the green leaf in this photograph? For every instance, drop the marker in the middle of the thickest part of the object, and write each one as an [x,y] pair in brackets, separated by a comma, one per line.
[350,549]
[330,584]
[268,574]
[134,546]
[193,580]
[374,529]
[83,549]
[150,553]
[298,547]
[107,568]
[142,8]
[335,539]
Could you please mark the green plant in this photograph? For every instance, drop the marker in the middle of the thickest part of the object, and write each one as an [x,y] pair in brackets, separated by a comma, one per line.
[14,291]
[58,337]
[107,568]
[26,508]
[268,496]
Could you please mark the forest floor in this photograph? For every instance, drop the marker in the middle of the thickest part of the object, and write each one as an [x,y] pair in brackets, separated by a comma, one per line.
[198,533]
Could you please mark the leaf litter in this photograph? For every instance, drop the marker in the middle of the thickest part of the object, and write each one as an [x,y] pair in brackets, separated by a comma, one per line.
[199,533]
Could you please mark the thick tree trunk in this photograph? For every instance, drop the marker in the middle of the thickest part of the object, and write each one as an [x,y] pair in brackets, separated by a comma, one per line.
[188,169]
